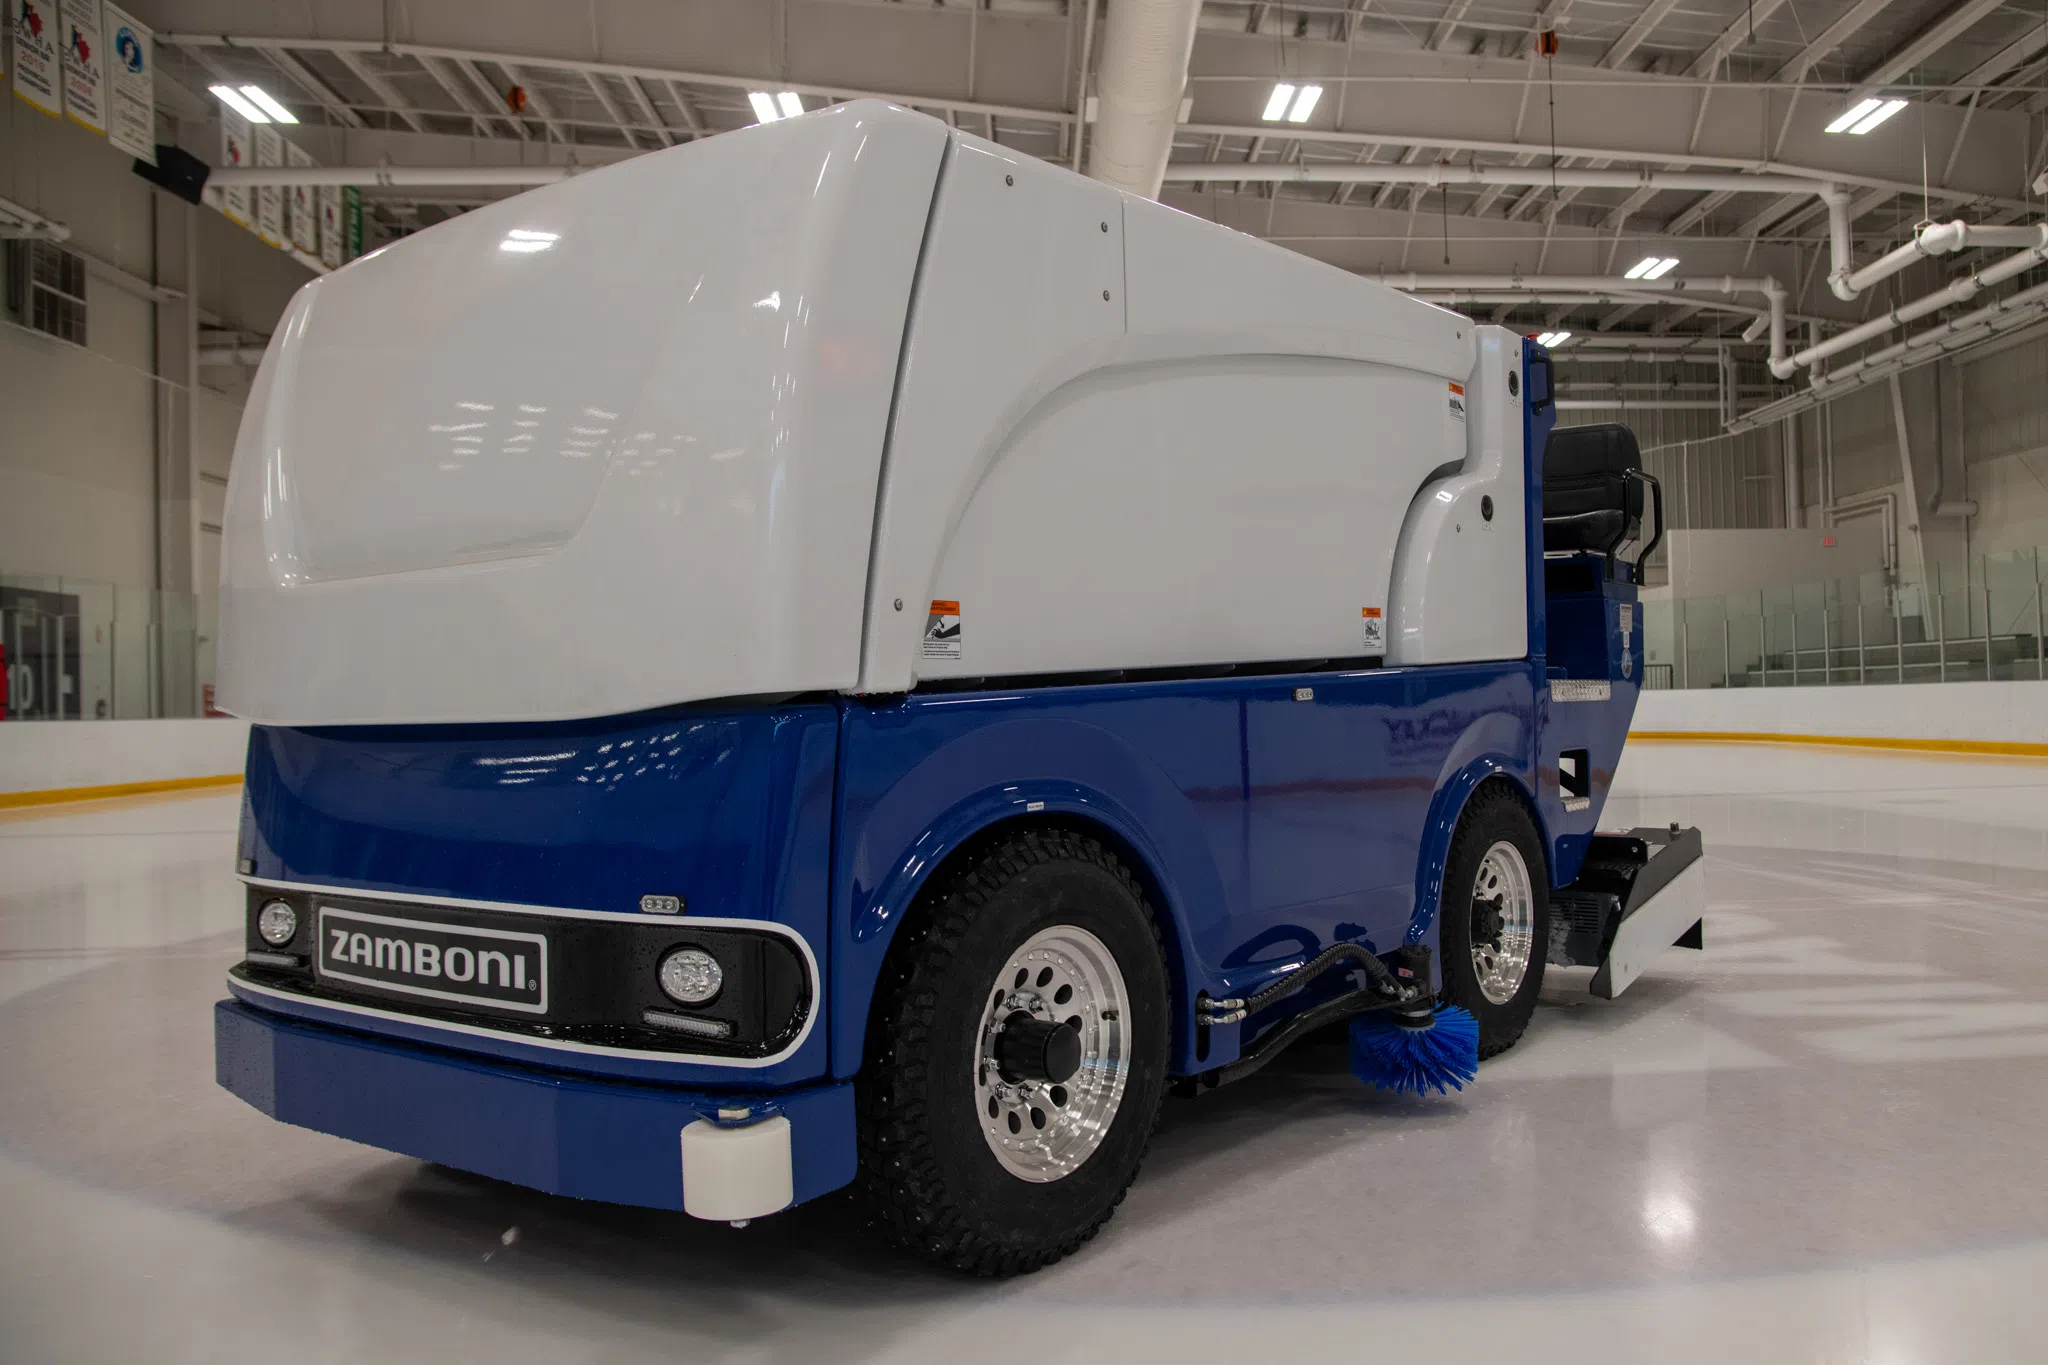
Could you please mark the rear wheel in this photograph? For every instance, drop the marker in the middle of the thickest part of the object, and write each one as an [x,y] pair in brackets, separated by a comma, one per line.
[1495,917]
[1016,1056]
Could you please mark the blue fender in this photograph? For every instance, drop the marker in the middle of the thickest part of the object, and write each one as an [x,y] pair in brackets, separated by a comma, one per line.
[919,780]
[1497,745]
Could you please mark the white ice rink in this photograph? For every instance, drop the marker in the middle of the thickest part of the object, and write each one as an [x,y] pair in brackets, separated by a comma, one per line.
[1818,1140]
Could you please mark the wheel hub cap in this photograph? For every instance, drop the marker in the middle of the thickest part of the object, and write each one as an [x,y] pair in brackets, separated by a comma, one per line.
[1054,1054]
[1503,923]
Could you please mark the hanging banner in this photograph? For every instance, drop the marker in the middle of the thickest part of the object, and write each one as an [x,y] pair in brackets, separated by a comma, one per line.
[351,222]
[299,198]
[131,86]
[269,198]
[235,202]
[85,66]
[36,63]
[330,226]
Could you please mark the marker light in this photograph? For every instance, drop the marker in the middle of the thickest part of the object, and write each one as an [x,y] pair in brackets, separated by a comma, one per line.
[263,100]
[691,976]
[276,923]
[233,99]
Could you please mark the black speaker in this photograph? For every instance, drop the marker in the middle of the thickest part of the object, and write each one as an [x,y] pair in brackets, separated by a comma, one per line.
[176,170]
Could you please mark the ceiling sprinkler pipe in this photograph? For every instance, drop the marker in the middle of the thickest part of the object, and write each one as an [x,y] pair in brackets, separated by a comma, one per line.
[1953,336]
[1841,249]
[1960,292]
[1452,174]
[240,177]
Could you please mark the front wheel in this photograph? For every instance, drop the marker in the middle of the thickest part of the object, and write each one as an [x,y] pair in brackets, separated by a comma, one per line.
[1016,1056]
[1495,917]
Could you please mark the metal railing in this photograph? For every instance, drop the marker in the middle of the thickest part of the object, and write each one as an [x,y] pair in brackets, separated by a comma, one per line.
[1985,619]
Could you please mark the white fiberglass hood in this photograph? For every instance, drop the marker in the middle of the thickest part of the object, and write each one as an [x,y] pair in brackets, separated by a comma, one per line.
[606,446]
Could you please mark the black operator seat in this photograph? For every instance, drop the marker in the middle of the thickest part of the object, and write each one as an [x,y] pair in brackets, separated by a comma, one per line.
[1592,492]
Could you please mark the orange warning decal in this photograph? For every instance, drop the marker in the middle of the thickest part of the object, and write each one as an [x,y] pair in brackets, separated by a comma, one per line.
[942,631]
[1457,388]
[1372,611]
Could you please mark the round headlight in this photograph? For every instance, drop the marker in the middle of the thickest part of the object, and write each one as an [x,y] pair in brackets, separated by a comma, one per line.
[276,923]
[691,976]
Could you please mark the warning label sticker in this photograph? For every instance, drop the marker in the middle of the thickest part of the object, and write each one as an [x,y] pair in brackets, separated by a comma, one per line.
[942,631]
[1375,631]
[1458,401]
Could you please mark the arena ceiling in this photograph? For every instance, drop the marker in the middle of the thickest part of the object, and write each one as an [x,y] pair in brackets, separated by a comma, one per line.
[1663,85]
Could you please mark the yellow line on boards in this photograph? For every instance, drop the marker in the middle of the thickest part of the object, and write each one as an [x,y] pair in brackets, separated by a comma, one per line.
[1980,748]
[55,795]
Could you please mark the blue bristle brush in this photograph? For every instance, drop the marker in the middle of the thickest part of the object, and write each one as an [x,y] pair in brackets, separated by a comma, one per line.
[1416,1053]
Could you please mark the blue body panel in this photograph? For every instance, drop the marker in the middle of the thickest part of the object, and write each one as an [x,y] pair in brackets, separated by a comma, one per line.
[1268,817]
[729,808]
[1267,828]
[565,1134]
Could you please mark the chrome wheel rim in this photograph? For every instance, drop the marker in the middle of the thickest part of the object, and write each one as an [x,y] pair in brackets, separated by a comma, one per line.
[1503,923]
[1038,1130]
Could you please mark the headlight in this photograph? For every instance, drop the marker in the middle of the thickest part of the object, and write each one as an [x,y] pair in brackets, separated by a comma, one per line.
[276,923]
[691,976]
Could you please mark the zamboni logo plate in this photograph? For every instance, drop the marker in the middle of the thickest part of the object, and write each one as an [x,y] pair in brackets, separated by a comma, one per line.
[499,969]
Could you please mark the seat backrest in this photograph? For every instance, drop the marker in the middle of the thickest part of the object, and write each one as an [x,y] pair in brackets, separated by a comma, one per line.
[1590,502]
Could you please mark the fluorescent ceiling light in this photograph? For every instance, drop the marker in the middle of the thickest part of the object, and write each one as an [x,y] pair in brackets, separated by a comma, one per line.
[764,106]
[1879,115]
[1304,104]
[1553,338]
[1651,268]
[1855,116]
[792,103]
[1277,102]
[262,99]
[528,239]
[232,98]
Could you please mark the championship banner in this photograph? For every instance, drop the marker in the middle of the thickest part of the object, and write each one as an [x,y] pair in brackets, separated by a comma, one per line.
[131,85]
[85,76]
[330,226]
[235,202]
[269,198]
[36,64]
[299,200]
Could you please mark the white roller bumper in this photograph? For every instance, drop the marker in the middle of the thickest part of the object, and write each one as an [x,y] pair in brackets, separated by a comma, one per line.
[736,1172]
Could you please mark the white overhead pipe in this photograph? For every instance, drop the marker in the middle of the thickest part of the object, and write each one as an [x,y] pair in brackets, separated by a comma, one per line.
[1952,335]
[1138,89]
[1844,278]
[1576,288]
[1957,334]
[1932,239]
[1342,173]
[240,177]
[1962,290]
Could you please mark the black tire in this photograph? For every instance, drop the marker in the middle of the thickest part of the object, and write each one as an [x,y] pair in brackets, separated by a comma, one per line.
[928,1176]
[1494,815]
